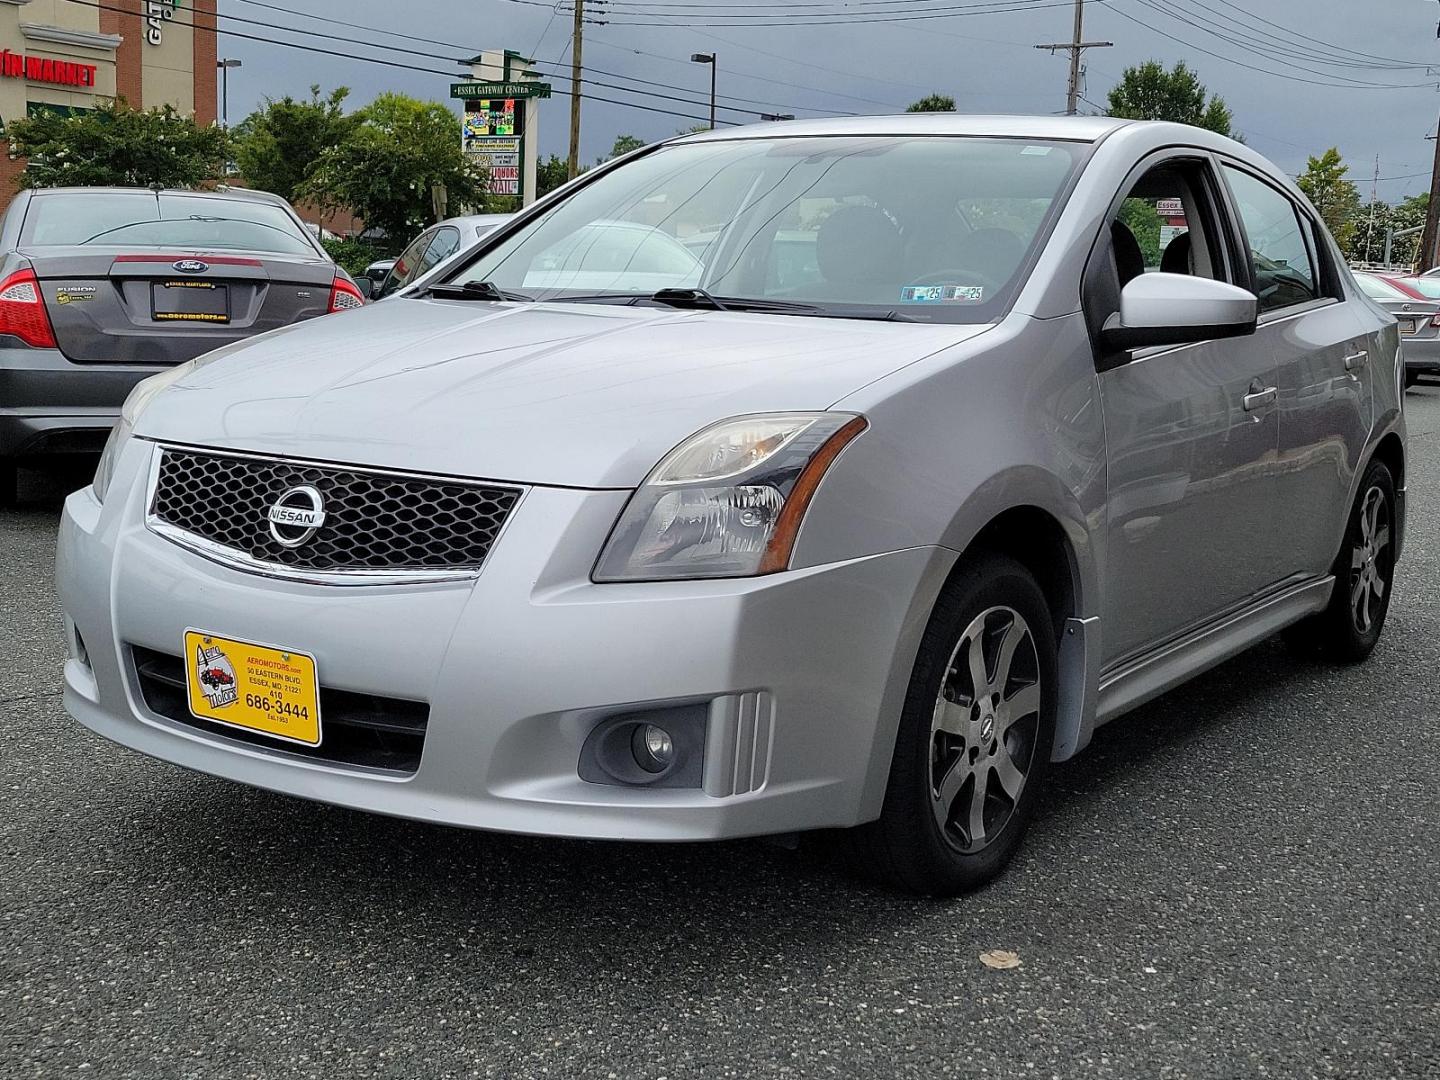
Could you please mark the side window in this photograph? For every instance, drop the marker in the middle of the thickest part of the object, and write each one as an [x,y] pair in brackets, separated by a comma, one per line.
[1166,224]
[441,248]
[405,267]
[1281,259]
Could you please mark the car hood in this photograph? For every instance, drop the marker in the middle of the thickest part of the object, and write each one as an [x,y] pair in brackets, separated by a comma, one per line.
[578,395]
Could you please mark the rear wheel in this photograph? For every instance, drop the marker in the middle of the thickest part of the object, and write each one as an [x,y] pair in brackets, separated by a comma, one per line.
[975,736]
[1349,628]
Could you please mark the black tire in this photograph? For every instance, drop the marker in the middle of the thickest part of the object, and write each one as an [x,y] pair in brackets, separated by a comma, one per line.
[1341,633]
[9,482]
[908,847]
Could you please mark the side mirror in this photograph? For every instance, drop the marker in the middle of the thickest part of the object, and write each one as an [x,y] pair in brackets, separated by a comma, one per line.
[1178,309]
[366,285]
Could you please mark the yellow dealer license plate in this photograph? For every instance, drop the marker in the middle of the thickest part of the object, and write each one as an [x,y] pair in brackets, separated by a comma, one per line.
[256,687]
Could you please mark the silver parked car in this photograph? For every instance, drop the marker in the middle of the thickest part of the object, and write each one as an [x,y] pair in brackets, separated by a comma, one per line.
[1048,416]
[429,250]
[1418,320]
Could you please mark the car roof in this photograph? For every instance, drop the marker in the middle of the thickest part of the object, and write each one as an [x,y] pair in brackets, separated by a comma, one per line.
[232,194]
[1079,128]
[472,221]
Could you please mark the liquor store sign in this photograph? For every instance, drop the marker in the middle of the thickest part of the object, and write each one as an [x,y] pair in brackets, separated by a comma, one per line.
[500,158]
[15,65]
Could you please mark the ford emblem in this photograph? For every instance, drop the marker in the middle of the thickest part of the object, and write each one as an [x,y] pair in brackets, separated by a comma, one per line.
[191,266]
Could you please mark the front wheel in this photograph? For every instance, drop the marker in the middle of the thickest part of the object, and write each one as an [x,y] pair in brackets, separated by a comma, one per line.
[1349,627]
[975,736]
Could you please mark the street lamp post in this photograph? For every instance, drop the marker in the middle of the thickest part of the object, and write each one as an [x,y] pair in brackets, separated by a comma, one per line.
[708,58]
[225,64]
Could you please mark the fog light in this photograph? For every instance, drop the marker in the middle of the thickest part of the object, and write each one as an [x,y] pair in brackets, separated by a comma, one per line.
[654,749]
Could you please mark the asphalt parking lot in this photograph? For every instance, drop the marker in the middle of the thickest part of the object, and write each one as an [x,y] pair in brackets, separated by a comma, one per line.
[1238,880]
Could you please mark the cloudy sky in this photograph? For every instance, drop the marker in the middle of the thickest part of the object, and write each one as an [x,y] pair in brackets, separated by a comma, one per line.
[1300,76]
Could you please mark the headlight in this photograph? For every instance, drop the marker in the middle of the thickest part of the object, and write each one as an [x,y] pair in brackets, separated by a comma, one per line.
[728,501]
[141,396]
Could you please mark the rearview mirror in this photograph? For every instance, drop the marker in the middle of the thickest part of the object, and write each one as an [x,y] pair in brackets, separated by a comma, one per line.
[1178,309]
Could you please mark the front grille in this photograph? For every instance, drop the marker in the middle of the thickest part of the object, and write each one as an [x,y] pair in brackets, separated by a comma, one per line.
[355,729]
[374,521]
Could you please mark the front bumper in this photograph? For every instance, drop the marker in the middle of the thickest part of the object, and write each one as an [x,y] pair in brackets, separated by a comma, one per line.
[802,674]
[50,405]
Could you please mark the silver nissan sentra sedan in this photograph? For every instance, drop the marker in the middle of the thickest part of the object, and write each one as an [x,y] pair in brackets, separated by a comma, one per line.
[836,474]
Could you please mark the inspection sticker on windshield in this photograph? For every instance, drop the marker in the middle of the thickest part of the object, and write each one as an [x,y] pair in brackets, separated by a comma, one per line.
[942,294]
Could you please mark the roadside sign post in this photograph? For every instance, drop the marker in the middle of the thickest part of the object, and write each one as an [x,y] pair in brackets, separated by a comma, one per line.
[500,127]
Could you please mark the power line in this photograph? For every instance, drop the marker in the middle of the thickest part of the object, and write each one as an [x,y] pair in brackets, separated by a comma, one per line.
[1251,67]
[1264,49]
[1328,54]
[553,15]
[660,18]
[372,59]
[1319,41]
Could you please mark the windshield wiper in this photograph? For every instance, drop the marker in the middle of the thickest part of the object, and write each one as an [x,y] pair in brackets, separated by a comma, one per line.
[689,298]
[700,298]
[475,290]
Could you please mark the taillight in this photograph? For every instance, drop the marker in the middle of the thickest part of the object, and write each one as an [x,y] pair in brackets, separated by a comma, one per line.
[344,296]
[22,311]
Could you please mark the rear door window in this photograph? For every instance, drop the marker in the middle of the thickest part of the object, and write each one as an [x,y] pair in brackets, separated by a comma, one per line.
[1281,260]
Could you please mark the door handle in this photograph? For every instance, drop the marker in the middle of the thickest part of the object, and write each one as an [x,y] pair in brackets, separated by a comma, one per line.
[1258,399]
[1356,361]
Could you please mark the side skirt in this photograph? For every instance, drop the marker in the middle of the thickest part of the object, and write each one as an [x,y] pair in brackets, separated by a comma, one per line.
[1150,676]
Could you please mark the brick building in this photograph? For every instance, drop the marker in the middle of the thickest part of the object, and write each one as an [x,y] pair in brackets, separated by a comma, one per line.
[59,54]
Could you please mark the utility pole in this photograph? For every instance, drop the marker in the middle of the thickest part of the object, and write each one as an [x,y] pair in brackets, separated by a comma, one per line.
[1374,205]
[576,42]
[1075,47]
[1425,257]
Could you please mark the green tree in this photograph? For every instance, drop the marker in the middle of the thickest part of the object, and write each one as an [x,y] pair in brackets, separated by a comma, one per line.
[278,145]
[623,145]
[114,144]
[1367,241]
[933,103]
[1408,214]
[1335,197]
[1149,92]
[401,155]
[550,173]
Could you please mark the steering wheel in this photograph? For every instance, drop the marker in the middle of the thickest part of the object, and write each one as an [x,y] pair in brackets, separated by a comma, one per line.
[958,276]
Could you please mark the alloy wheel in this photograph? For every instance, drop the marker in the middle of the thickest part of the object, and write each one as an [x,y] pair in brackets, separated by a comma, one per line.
[983,733]
[1370,560]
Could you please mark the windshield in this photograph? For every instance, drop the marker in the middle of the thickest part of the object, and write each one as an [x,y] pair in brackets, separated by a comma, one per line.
[143,219]
[934,228]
